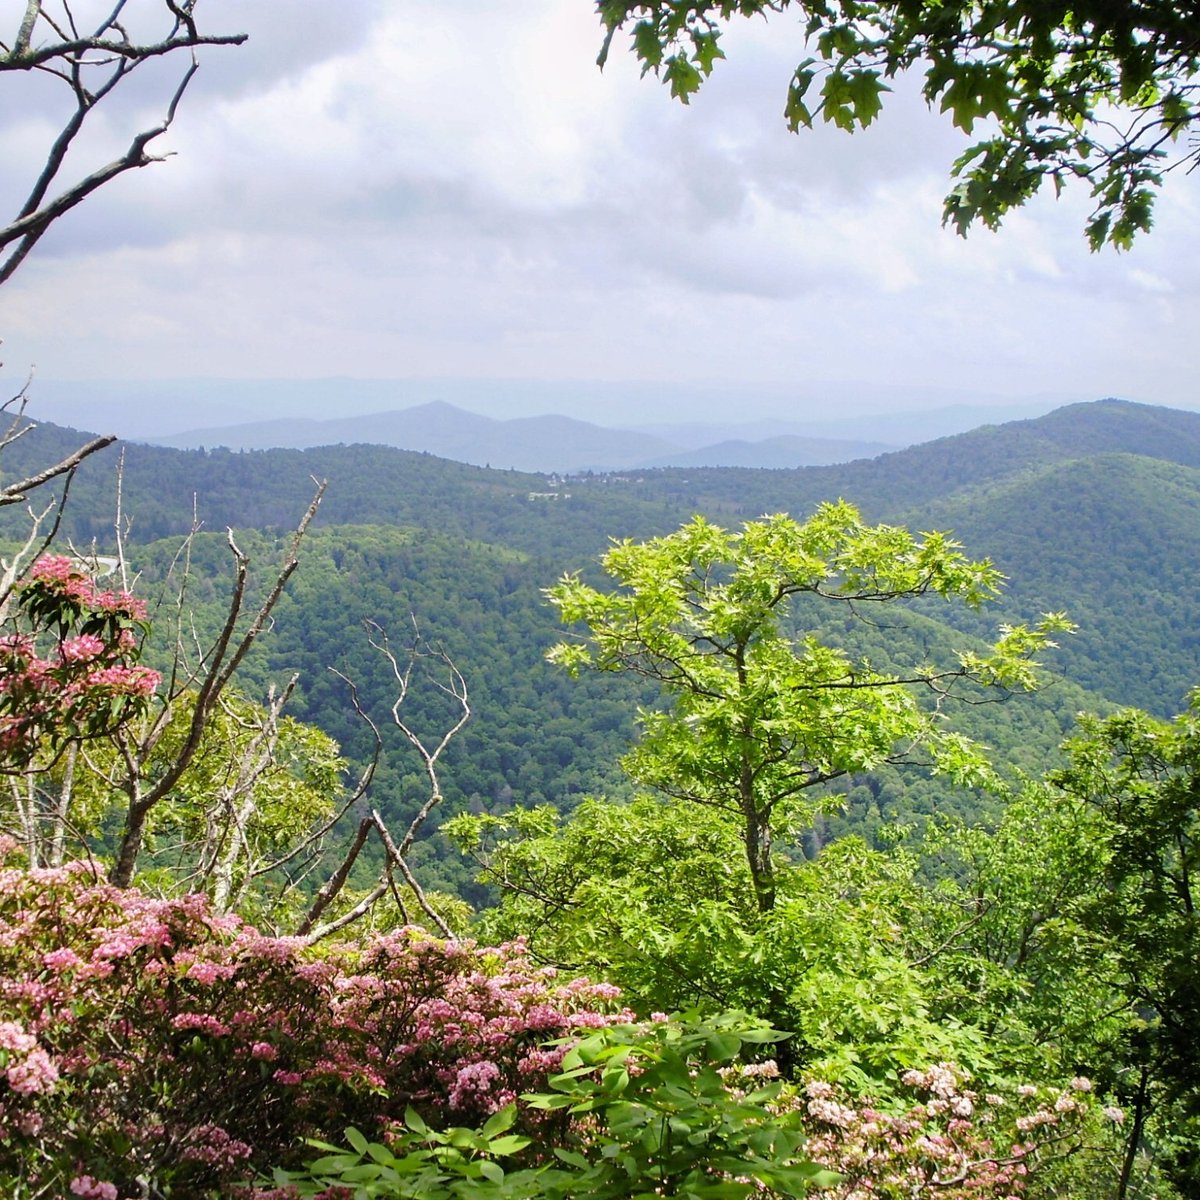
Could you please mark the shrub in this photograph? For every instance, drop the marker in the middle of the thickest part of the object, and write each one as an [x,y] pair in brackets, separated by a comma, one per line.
[149,1046]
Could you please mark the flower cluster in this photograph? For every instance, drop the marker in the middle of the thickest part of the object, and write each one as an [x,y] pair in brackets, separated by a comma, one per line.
[949,1141]
[153,1040]
[72,670]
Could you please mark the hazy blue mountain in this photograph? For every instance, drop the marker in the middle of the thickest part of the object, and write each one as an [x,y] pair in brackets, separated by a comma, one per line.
[159,408]
[786,450]
[547,443]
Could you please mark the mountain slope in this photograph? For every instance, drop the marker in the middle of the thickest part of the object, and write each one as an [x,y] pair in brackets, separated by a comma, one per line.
[1112,540]
[894,483]
[1075,525]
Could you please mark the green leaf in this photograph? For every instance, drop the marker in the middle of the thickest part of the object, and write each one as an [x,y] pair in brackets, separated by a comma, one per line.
[499,1121]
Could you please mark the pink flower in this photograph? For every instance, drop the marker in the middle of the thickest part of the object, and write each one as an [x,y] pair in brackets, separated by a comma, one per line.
[62,959]
[14,1038]
[36,1074]
[53,568]
[472,1082]
[83,648]
[208,972]
[93,1189]
[201,1022]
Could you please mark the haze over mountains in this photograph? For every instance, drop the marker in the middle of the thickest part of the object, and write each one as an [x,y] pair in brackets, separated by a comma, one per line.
[547,443]
[599,425]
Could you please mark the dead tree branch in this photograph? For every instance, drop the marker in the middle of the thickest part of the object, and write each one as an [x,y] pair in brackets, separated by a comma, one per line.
[91,63]
[396,853]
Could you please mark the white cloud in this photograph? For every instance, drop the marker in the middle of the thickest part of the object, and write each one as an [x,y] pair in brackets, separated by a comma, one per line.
[442,189]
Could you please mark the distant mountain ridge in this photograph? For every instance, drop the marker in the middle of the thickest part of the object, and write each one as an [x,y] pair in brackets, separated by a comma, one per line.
[782,452]
[1093,509]
[550,443]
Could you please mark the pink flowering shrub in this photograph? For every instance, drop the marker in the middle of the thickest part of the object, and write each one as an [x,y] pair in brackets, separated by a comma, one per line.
[949,1142]
[150,1040]
[71,669]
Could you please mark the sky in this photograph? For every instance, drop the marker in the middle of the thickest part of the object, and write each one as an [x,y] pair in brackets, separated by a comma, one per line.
[449,194]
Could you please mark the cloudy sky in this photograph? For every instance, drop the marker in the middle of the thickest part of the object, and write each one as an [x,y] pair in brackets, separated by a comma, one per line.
[449,192]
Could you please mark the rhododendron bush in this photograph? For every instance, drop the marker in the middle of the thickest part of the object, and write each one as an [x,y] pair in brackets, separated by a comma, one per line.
[671,1109]
[71,668]
[150,1047]
[950,1141]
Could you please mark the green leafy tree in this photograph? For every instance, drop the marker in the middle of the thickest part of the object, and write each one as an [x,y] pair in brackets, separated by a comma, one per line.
[1100,92]
[1140,779]
[756,715]
[657,898]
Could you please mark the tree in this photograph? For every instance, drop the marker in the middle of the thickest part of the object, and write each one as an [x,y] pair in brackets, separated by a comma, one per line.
[755,715]
[655,897]
[1140,779]
[91,61]
[1096,91]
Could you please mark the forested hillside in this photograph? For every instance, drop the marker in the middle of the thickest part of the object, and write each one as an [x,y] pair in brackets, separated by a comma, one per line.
[1093,510]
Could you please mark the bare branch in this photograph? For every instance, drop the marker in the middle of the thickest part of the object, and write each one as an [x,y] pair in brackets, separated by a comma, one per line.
[334,884]
[457,688]
[360,789]
[91,66]
[226,654]
[360,910]
[396,854]
[15,493]
[397,857]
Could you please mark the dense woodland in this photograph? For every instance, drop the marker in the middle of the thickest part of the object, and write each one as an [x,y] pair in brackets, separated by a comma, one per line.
[992,913]
[1086,511]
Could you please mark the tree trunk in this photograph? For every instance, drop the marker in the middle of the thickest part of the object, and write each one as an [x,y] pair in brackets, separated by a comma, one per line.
[131,844]
[758,856]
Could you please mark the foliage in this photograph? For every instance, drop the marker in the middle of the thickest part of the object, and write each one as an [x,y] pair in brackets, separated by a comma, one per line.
[1140,778]
[70,669]
[670,1110]
[657,898]
[653,1115]
[755,716]
[1097,92]
[153,1045]
[1068,931]
[998,913]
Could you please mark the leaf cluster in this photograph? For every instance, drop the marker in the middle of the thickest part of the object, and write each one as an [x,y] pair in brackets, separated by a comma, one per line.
[652,1115]
[1096,92]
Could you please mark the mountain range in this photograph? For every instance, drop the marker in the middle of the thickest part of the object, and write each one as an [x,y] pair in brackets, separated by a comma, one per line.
[1093,509]
[552,443]
[684,414]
